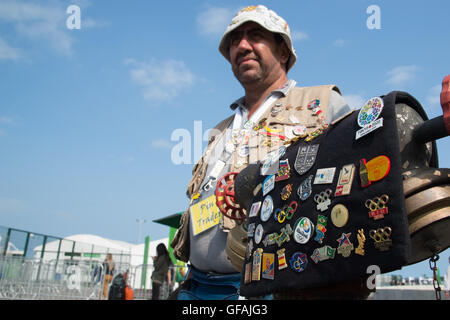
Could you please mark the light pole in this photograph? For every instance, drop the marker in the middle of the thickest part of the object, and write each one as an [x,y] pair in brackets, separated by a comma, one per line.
[140,223]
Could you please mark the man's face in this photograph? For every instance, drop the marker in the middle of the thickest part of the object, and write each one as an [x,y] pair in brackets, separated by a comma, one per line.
[255,55]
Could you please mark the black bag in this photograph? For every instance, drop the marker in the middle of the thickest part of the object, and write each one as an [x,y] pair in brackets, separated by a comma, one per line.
[117,288]
[330,258]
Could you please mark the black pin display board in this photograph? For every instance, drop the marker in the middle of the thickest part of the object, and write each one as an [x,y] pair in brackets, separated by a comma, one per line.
[337,148]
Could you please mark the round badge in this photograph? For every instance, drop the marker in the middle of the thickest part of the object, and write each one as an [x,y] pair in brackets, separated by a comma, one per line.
[299,261]
[258,233]
[339,215]
[299,131]
[243,151]
[303,229]
[370,111]
[378,168]
[266,208]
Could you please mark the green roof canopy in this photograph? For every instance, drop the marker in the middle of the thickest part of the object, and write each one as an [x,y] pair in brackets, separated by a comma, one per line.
[172,221]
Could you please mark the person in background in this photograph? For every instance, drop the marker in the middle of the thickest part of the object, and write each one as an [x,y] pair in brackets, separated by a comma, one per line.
[108,266]
[161,270]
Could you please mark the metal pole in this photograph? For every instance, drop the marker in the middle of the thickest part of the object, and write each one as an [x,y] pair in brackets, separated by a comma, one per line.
[8,235]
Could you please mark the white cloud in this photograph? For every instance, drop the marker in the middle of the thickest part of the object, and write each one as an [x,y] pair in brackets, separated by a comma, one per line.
[43,22]
[161,144]
[401,75]
[355,101]
[38,22]
[339,43]
[298,35]
[161,80]
[7,52]
[213,21]
[5,120]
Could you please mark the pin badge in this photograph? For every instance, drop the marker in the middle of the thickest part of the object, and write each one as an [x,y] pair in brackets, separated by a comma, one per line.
[249,124]
[314,134]
[377,207]
[286,192]
[361,240]
[248,273]
[195,196]
[324,176]
[299,261]
[250,230]
[378,168]
[323,200]
[339,215]
[290,209]
[243,151]
[345,180]
[323,253]
[209,184]
[381,238]
[217,169]
[286,212]
[270,239]
[321,228]
[256,268]
[284,236]
[313,104]
[249,250]
[299,131]
[257,189]
[269,184]
[268,266]
[368,117]
[284,171]
[270,161]
[363,173]
[303,229]
[345,246]
[306,156]
[281,259]
[266,208]
[305,189]
[254,209]
[258,233]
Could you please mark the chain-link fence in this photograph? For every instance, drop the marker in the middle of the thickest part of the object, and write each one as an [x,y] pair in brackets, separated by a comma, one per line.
[35,266]
[21,278]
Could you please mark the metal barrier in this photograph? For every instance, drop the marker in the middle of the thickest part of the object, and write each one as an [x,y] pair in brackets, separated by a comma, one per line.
[26,279]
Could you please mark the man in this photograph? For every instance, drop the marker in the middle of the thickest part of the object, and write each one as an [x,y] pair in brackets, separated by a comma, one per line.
[258,45]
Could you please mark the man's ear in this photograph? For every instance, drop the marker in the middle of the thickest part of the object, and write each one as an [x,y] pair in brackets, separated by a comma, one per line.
[284,53]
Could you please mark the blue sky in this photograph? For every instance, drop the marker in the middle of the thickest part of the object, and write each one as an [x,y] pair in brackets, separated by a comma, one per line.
[87,115]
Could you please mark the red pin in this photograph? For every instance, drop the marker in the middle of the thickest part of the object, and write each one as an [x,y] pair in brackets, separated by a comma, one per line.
[445,102]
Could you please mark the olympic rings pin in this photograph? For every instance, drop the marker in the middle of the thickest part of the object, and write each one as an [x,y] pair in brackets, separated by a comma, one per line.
[381,237]
[323,200]
[377,207]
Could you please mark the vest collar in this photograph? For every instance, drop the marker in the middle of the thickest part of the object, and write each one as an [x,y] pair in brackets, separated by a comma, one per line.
[284,90]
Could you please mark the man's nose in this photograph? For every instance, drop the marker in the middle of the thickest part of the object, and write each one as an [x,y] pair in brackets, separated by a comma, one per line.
[244,44]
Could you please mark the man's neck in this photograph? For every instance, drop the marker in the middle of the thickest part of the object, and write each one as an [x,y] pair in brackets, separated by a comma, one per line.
[255,95]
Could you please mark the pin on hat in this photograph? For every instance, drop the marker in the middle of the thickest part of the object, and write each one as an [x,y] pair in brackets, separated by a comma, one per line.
[268,19]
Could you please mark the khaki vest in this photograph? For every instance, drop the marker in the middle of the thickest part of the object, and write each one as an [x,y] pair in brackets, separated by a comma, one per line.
[293,106]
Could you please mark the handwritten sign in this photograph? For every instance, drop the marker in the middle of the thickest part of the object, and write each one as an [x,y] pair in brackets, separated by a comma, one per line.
[205,215]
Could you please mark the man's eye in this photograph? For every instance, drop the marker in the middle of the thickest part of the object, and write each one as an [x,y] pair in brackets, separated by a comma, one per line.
[234,39]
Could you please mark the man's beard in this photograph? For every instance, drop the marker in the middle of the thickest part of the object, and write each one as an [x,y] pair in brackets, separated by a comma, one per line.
[248,74]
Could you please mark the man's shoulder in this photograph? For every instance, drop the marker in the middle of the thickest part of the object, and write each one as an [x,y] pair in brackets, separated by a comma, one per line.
[223,124]
[325,87]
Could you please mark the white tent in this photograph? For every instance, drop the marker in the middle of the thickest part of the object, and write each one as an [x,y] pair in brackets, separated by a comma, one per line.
[90,250]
